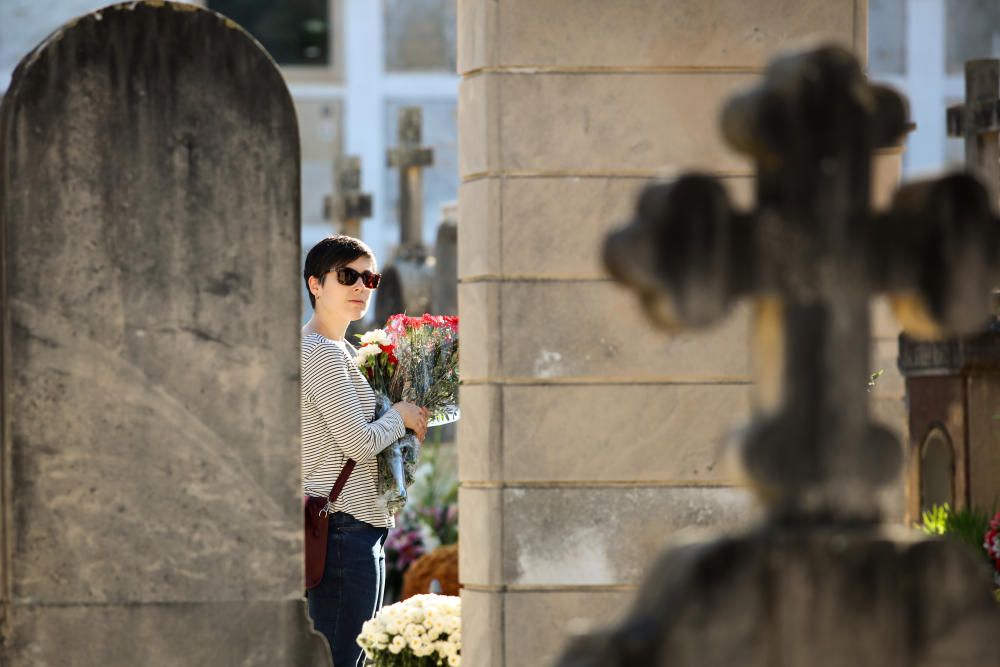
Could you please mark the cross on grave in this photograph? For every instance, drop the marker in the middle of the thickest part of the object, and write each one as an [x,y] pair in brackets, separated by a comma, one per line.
[350,205]
[819,582]
[411,158]
[978,121]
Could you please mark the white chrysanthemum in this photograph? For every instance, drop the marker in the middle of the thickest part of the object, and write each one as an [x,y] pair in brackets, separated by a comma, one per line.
[377,336]
[421,647]
[397,644]
[412,632]
[415,614]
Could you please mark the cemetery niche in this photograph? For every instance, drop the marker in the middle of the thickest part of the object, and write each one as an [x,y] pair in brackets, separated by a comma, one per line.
[953,384]
[821,581]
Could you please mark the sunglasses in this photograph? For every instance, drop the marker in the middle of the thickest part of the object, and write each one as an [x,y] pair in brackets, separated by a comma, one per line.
[348,276]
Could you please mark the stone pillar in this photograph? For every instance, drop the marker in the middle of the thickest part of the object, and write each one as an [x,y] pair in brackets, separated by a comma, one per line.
[149,207]
[587,438]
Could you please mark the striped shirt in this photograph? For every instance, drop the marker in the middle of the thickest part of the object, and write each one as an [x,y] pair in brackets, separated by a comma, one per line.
[338,423]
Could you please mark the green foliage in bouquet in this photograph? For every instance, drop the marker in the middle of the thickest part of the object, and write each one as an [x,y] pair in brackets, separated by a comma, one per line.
[967,526]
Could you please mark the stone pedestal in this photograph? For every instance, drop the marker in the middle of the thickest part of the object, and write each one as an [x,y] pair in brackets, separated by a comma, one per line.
[149,207]
[587,437]
[785,597]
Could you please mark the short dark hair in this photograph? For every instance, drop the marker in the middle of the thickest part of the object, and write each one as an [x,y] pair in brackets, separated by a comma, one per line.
[331,253]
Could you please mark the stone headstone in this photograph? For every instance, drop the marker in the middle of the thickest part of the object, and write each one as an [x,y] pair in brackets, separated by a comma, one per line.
[149,207]
[408,280]
[347,208]
[977,121]
[445,296]
[821,582]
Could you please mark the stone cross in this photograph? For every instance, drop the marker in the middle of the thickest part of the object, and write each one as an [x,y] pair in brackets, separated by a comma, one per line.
[150,484]
[978,122]
[820,582]
[814,254]
[350,204]
[411,158]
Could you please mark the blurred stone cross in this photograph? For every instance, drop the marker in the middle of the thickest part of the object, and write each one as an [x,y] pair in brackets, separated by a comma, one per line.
[821,582]
[978,121]
[350,204]
[410,158]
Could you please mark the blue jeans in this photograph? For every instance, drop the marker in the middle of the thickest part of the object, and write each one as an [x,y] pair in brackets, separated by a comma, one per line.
[352,586]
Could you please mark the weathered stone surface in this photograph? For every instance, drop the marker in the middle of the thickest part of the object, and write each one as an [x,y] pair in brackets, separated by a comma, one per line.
[537,622]
[480,558]
[479,431]
[479,305]
[482,628]
[594,122]
[684,441]
[479,242]
[591,329]
[572,536]
[150,205]
[522,220]
[890,411]
[477,98]
[784,598]
[688,33]
[244,633]
[527,627]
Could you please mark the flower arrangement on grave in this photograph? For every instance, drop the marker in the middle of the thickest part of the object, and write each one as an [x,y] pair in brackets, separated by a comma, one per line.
[422,631]
[969,526]
[412,359]
[991,542]
[963,525]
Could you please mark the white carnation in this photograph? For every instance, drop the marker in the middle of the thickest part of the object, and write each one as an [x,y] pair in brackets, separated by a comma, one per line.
[366,351]
[377,336]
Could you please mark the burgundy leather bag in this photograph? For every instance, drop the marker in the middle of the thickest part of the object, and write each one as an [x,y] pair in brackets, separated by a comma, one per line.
[317,527]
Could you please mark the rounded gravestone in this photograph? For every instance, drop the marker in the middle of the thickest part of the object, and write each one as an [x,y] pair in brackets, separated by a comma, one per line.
[149,204]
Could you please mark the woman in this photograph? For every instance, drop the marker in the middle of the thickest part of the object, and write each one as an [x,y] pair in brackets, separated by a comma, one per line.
[338,410]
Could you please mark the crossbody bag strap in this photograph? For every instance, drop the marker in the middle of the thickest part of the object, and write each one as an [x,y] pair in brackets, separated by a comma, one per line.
[338,486]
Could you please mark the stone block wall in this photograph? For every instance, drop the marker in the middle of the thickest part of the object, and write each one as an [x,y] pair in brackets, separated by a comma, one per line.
[587,437]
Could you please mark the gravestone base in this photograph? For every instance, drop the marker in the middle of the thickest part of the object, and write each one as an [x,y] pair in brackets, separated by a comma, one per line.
[824,596]
[233,633]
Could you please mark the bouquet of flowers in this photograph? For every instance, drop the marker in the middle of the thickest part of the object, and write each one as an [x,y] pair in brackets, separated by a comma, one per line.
[413,359]
[991,542]
[421,631]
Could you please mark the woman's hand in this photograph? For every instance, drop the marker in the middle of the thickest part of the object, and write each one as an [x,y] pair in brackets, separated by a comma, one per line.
[414,418]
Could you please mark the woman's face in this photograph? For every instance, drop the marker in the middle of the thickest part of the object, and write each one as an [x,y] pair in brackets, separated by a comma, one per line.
[345,302]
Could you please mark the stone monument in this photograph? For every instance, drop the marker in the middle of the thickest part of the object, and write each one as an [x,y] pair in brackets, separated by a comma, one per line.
[350,205]
[408,280]
[821,581]
[149,208]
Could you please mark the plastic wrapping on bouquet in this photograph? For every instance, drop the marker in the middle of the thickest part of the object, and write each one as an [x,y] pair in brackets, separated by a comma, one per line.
[394,457]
